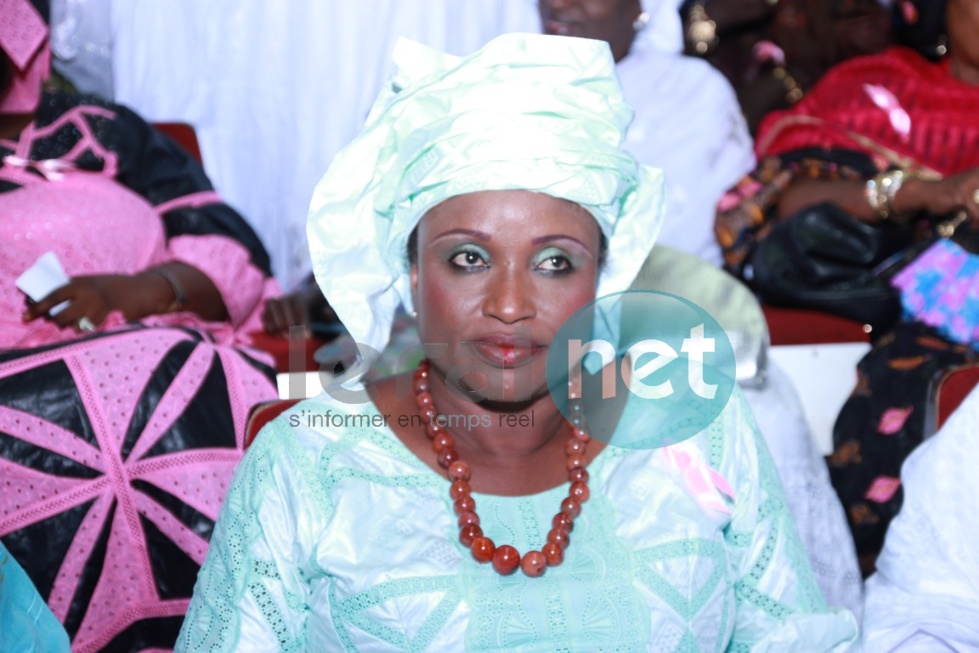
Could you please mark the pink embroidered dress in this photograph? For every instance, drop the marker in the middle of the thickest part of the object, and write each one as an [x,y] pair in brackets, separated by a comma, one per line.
[116,448]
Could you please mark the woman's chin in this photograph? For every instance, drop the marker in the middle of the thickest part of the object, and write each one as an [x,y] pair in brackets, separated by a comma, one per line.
[500,386]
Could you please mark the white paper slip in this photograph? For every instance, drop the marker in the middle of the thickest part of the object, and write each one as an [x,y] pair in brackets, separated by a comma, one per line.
[40,279]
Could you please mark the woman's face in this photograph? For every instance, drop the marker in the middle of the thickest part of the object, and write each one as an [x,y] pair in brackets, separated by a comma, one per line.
[605,20]
[497,274]
[962,23]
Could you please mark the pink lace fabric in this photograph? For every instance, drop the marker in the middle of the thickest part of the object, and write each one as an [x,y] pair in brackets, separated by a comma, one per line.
[72,213]
[59,216]
[110,375]
[24,37]
[97,226]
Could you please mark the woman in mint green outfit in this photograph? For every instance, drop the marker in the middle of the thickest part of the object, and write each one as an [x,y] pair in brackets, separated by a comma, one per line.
[491,194]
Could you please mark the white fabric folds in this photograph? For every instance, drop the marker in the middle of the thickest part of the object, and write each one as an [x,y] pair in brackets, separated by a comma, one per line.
[528,111]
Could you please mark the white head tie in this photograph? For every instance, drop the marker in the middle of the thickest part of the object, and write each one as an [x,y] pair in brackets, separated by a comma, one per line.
[528,111]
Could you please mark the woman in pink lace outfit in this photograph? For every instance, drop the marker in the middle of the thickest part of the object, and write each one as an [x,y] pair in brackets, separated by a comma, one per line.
[122,415]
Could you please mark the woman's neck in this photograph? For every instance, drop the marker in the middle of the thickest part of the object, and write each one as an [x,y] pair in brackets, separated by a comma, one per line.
[499,430]
[519,451]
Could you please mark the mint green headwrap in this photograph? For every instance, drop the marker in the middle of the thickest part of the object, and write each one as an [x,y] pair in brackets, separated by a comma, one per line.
[528,111]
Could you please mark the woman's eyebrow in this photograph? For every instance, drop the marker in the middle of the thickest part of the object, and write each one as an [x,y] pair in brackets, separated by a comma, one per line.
[552,237]
[482,235]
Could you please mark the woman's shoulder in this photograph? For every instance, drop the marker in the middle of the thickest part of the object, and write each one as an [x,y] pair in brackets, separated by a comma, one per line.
[658,72]
[56,103]
[724,446]
[325,414]
[707,477]
[677,97]
[896,63]
[328,426]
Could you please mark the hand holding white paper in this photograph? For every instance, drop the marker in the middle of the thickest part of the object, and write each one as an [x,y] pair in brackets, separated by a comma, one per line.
[45,276]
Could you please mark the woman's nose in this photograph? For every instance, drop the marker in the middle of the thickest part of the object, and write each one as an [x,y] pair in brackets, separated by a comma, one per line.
[509,297]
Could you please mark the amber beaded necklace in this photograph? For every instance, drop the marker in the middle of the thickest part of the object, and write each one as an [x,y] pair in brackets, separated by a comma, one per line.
[505,558]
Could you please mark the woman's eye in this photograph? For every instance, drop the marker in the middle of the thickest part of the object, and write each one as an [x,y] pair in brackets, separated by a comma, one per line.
[468,259]
[555,264]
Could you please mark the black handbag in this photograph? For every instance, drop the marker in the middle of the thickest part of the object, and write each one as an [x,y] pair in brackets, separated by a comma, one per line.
[823,258]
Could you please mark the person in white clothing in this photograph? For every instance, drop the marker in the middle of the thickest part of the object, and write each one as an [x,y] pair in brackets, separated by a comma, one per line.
[924,596]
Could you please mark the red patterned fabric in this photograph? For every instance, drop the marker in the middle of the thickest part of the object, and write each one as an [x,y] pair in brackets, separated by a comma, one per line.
[941,110]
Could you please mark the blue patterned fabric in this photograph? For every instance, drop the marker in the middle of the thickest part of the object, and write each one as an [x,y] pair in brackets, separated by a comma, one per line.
[26,623]
[940,288]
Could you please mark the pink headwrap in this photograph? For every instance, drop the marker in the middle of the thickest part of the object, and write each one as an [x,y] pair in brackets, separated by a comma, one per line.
[24,37]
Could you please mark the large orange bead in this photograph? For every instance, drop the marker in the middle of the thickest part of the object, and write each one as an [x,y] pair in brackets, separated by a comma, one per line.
[563,520]
[458,489]
[447,456]
[575,461]
[460,471]
[442,441]
[427,415]
[533,563]
[468,534]
[465,503]
[468,519]
[578,474]
[483,549]
[579,491]
[560,537]
[571,506]
[575,446]
[554,554]
[432,430]
[506,559]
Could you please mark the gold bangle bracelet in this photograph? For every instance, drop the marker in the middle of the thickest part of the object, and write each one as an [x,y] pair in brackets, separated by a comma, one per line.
[881,191]
[179,296]
[874,198]
[793,92]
